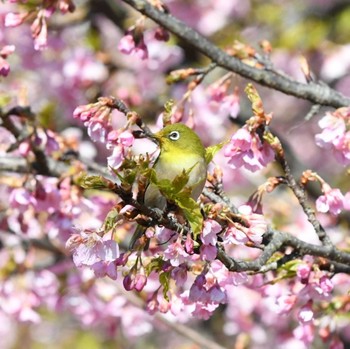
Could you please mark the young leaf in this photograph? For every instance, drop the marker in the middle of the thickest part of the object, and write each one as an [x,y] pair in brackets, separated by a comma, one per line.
[212,150]
[254,97]
[164,279]
[94,182]
[156,265]
[111,219]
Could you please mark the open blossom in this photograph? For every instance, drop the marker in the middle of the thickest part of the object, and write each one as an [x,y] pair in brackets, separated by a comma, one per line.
[120,142]
[124,138]
[323,287]
[90,249]
[334,134]
[224,102]
[210,230]
[176,253]
[247,150]
[303,271]
[332,200]
[117,157]
[239,234]
[208,252]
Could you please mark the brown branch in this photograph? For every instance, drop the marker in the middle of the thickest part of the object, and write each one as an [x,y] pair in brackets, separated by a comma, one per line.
[221,199]
[339,261]
[316,93]
[119,105]
[40,163]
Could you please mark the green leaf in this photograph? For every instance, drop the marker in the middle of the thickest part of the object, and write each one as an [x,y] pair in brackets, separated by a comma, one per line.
[156,264]
[212,150]
[193,215]
[111,219]
[94,182]
[176,192]
[291,266]
[164,279]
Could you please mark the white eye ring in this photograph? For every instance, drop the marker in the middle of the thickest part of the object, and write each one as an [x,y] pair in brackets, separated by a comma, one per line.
[174,135]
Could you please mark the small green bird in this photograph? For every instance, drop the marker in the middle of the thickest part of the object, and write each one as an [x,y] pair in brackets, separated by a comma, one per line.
[180,149]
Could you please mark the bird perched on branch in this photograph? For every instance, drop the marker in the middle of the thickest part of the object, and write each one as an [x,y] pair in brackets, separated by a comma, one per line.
[181,150]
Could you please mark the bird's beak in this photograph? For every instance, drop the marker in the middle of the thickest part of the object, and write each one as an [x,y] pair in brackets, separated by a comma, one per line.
[155,137]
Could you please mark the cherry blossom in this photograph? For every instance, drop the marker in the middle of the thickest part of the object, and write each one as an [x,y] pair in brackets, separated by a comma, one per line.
[332,200]
[335,134]
[90,249]
[247,150]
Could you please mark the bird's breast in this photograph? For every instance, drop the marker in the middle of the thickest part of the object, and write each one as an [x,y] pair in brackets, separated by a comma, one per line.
[170,166]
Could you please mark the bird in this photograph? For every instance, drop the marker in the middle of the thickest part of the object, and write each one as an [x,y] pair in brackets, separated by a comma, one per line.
[181,150]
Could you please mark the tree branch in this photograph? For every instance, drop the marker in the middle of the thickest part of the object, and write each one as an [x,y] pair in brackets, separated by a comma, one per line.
[339,261]
[277,241]
[316,93]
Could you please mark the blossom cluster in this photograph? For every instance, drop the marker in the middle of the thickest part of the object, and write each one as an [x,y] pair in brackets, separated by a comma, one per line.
[247,150]
[39,25]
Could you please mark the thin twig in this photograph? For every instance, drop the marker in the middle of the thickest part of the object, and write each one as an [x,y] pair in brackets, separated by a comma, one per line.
[40,163]
[300,194]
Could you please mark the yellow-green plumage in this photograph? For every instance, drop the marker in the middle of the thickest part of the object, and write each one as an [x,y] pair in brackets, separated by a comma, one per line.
[180,149]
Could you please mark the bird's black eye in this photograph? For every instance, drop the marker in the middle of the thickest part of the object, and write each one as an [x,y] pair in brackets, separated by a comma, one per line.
[174,135]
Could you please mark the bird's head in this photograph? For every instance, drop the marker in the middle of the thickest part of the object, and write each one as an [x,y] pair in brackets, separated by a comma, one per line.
[179,138]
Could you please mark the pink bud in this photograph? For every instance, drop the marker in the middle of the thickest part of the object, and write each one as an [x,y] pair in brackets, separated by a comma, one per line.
[122,259]
[161,34]
[128,282]
[4,67]
[140,282]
